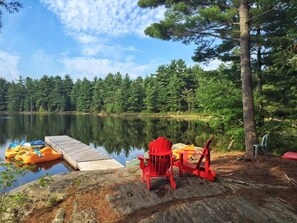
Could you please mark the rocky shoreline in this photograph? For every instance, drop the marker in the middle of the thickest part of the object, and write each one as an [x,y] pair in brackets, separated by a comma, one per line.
[120,196]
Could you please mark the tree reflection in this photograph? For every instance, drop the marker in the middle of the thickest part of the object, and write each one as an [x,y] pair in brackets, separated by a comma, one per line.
[116,135]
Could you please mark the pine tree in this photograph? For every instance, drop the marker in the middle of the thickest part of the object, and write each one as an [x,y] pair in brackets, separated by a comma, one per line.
[55,95]
[188,97]
[3,94]
[210,24]
[97,99]
[85,96]
[112,88]
[136,98]
[75,94]
[31,97]
[174,93]
[151,94]
[67,89]
[44,100]
[16,96]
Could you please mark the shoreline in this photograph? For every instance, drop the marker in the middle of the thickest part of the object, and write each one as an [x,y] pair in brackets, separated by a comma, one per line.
[178,115]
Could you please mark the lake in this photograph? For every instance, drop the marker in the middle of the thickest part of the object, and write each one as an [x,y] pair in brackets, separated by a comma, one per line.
[121,138]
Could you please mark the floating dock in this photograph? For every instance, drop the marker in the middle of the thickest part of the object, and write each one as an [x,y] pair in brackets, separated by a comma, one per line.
[79,155]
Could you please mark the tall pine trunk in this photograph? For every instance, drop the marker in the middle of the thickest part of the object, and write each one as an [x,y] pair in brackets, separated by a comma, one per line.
[246,79]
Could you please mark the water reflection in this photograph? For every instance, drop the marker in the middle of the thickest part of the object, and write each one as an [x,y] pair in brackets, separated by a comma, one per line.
[36,167]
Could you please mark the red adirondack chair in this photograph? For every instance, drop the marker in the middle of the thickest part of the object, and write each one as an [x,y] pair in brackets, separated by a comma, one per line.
[195,168]
[159,163]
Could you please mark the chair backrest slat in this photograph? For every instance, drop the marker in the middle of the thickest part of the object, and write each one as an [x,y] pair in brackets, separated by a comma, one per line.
[264,140]
[159,163]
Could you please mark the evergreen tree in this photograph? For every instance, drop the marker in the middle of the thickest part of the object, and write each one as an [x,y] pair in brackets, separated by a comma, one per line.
[119,103]
[16,96]
[111,85]
[3,94]
[136,98]
[85,96]
[188,97]
[150,100]
[174,93]
[75,94]
[58,101]
[126,91]
[13,97]
[31,97]
[67,85]
[204,23]
[162,80]
[97,99]
[273,33]
[45,86]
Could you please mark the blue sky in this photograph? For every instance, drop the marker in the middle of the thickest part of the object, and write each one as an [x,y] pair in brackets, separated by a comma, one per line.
[84,39]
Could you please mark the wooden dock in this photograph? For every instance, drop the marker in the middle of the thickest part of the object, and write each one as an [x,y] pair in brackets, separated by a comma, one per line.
[79,155]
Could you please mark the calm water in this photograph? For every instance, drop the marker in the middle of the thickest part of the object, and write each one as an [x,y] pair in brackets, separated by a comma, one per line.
[121,138]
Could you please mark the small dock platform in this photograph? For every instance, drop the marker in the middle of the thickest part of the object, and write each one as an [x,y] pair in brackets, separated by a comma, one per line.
[79,155]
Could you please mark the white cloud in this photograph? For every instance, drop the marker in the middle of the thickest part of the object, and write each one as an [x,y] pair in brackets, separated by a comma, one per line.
[81,67]
[85,38]
[212,65]
[115,51]
[8,66]
[113,18]
[98,27]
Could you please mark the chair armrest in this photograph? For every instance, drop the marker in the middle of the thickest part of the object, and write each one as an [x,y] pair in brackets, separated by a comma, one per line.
[142,159]
[165,153]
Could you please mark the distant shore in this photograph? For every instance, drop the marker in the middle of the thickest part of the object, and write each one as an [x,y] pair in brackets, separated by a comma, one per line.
[176,115]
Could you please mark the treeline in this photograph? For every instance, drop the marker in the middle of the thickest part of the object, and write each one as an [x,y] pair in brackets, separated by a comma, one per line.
[171,89]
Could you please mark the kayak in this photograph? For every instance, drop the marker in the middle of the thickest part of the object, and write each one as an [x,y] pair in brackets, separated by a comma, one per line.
[43,155]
